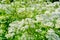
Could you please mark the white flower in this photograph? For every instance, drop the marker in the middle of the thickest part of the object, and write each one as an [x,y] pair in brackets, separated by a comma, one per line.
[10,29]
[23,37]
[22,29]
[9,35]
[0,5]
[29,21]
[51,31]
[57,10]
[58,23]
[21,23]
[56,3]
[30,8]
[32,26]
[26,26]
[48,13]
[39,18]
[50,5]
[26,36]
[48,24]
[19,10]
[55,15]
[13,23]
[51,35]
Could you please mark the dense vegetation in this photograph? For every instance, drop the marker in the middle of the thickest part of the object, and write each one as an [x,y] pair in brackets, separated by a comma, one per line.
[29,20]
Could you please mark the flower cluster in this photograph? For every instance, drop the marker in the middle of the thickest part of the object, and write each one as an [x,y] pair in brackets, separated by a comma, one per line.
[29,20]
[51,35]
[50,18]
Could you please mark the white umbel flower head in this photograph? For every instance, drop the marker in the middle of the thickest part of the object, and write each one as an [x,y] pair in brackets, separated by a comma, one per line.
[48,24]
[51,35]
[19,10]
[57,10]
[9,35]
[39,18]
[51,31]
[58,23]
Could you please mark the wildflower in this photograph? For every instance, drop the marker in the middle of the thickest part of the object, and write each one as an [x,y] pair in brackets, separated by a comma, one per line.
[19,10]
[30,8]
[39,18]
[50,5]
[9,35]
[57,10]
[10,29]
[26,36]
[48,24]
[47,13]
[29,21]
[58,23]
[26,26]
[51,31]
[51,35]
[55,15]
[23,36]
[22,29]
